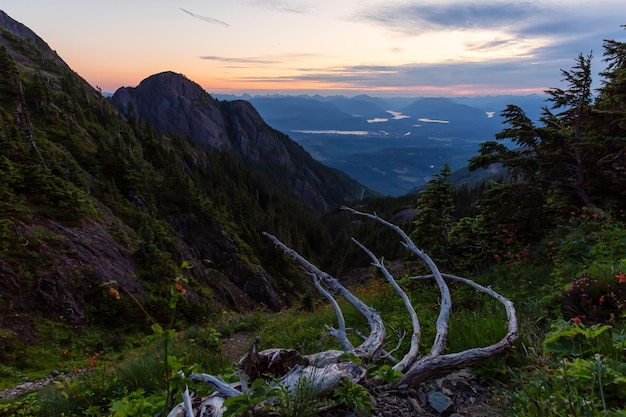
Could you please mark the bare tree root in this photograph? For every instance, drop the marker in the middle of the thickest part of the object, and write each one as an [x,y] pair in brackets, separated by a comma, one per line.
[325,370]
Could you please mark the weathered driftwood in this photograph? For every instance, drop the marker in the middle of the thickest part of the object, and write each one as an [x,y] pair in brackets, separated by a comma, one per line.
[324,369]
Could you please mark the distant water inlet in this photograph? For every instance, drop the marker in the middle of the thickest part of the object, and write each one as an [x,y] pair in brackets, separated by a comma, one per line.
[336,132]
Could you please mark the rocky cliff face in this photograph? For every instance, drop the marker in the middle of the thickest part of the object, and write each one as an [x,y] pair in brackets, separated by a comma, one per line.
[175,104]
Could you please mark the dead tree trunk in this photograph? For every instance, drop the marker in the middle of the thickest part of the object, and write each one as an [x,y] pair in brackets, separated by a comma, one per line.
[325,369]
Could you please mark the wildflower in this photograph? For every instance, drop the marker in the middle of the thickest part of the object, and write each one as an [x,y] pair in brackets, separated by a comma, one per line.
[64,352]
[621,277]
[601,300]
[576,320]
[114,293]
[180,289]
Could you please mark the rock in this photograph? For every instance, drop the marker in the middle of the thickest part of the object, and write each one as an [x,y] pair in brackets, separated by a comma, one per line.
[439,402]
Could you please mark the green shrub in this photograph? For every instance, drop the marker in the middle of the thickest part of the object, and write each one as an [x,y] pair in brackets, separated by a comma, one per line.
[594,298]
[354,397]
[587,377]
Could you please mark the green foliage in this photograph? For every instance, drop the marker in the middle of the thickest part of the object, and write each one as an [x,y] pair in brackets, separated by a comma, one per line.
[590,258]
[589,378]
[571,339]
[386,373]
[303,332]
[25,406]
[303,400]
[135,404]
[595,300]
[230,323]
[354,397]
[258,392]
[434,217]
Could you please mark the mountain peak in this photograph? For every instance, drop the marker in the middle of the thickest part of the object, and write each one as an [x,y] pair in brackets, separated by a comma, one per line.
[174,103]
[19,30]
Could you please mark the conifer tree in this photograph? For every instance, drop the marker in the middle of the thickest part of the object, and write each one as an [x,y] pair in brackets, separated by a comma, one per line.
[434,217]
[9,77]
[569,148]
[610,114]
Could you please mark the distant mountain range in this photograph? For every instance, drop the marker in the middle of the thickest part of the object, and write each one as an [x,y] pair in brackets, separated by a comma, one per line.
[392,145]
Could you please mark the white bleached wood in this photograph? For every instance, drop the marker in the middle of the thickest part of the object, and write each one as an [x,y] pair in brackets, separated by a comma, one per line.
[370,349]
[326,371]
[216,383]
[413,352]
[340,334]
[446,300]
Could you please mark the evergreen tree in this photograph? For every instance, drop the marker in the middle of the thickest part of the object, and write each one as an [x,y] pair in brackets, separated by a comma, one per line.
[9,78]
[434,217]
[610,114]
[560,161]
[569,147]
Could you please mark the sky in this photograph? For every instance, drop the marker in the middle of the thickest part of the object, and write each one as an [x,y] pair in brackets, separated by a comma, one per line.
[350,47]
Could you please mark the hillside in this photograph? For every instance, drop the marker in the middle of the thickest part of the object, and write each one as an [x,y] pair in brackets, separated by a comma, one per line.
[93,204]
[177,105]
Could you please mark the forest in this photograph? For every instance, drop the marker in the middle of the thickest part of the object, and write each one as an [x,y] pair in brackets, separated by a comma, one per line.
[181,249]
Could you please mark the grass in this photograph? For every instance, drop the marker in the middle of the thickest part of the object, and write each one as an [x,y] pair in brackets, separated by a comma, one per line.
[140,368]
[538,382]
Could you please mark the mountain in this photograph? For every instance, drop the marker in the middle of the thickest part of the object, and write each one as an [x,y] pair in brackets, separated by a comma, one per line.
[446,118]
[298,113]
[175,104]
[531,103]
[392,150]
[22,33]
[440,108]
[99,208]
[359,106]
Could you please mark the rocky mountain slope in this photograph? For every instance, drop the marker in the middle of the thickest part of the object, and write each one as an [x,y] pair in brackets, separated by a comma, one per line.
[96,205]
[174,103]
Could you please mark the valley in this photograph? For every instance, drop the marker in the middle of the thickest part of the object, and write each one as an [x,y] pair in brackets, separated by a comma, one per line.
[153,235]
[393,166]
[391,145]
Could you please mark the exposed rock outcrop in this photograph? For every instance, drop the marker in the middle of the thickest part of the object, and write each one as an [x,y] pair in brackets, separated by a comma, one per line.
[175,104]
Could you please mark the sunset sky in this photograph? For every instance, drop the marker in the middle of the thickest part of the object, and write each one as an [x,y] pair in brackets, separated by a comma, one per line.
[384,48]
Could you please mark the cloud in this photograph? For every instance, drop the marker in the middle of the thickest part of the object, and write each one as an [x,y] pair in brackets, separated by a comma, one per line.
[554,34]
[518,18]
[489,45]
[531,43]
[520,75]
[205,18]
[279,6]
[242,61]
[417,18]
[245,62]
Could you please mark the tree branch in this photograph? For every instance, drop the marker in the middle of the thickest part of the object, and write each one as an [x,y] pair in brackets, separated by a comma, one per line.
[432,366]
[340,334]
[410,357]
[372,346]
[446,302]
